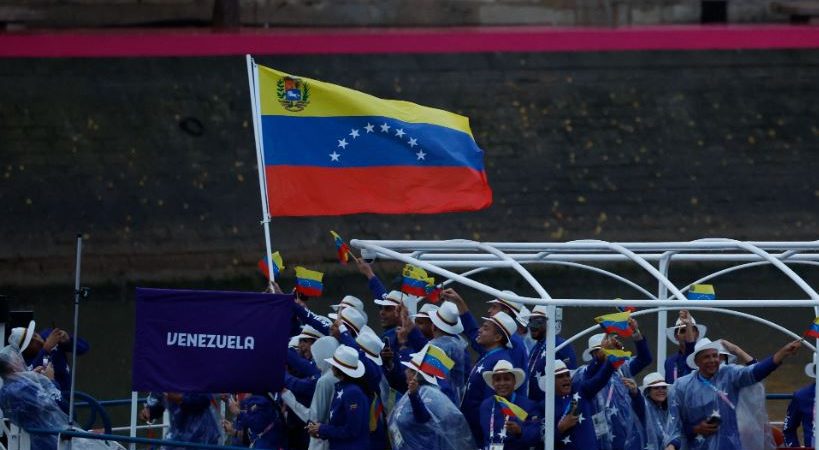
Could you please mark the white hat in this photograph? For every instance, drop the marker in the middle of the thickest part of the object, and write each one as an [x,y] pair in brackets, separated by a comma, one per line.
[20,337]
[560,368]
[353,319]
[701,345]
[394,298]
[349,300]
[810,370]
[425,311]
[504,366]
[514,306]
[308,332]
[594,343]
[654,379]
[670,332]
[293,342]
[539,311]
[732,358]
[506,324]
[416,361]
[522,317]
[371,344]
[346,360]
[446,319]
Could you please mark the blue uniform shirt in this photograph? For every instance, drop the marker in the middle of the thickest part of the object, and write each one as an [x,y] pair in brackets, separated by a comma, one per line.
[477,390]
[537,363]
[581,436]
[493,423]
[800,412]
[347,427]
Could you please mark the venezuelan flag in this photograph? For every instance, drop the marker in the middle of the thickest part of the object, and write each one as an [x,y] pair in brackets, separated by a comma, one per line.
[510,409]
[308,282]
[616,323]
[813,331]
[436,362]
[376,410]
[341,247]
[416,281]
[330,150]
[616,357]
[701,292]
[278,265]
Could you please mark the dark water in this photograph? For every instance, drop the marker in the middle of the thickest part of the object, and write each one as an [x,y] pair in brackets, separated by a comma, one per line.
[107,316]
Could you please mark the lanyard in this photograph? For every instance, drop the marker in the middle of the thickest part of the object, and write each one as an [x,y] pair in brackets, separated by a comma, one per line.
[535,356]
[719,393]
[492,424]
[608,398]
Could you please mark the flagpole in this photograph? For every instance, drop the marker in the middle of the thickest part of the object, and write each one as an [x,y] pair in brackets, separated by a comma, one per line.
[255,109]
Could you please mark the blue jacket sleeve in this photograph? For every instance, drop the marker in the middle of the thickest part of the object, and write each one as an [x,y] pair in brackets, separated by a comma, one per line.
[471,331]
[590,386]
[377,288]
[643,358]
[310,318]
[300,386]
[301,365]
[355,411]
[419,411]
[638,404]
[792,420]
[763,368]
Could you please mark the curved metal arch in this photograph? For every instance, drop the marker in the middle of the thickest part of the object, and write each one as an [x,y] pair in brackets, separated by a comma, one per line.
[741,267]
[641,262]
[730,312]
[604,272]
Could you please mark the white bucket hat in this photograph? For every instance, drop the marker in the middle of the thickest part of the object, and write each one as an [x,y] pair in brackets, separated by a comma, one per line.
[346,360]
[522,317]
[424,312]
[654,379]
[308,332]
[348,301]
[538,311]
[514,306]
[560,368]
[393,298]
[732,358]
[293,342]
[446,319]
[322,349]
[506,324]
[416,359]
[20,337]
[352,319]
[370,344]
[504,366]
[810,370]
[670,332]
[702,345]
[594,344]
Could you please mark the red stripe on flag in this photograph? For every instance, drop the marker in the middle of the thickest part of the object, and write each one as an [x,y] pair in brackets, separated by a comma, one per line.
[320,191]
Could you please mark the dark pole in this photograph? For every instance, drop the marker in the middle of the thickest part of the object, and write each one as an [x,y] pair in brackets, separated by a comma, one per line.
[77,295]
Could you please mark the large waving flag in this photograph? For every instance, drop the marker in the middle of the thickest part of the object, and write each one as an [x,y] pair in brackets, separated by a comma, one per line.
[330,150]
[616,323]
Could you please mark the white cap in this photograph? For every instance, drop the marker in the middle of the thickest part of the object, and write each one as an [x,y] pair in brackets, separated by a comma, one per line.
[506,324]
[446,319]
[504,366]
[20,337]
[654,379]
[594,343]
[353,319]
[371,344]
[308,332]
[702,345]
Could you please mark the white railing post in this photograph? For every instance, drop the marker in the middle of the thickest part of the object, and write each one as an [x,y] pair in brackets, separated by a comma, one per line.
[134,412]
[662,316]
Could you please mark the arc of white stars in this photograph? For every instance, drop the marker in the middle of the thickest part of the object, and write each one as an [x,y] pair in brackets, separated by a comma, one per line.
[413,142]
[334,156]
[342,143]
[369,127]
[400,132]
[385,128]
[354,133]
[421,155]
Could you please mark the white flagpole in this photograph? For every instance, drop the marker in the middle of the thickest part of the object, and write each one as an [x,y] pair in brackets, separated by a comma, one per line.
[255,107]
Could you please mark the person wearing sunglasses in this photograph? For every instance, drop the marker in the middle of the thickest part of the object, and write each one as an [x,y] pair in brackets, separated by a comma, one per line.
[685,333]
[537,358]
[652,408]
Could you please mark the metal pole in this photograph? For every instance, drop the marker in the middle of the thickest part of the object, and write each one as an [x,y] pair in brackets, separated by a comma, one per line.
[77,295]
[549,413]
[662,316]
[133,432]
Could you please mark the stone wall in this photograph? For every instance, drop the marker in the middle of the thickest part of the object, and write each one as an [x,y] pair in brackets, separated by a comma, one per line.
[271,13]
[153,159]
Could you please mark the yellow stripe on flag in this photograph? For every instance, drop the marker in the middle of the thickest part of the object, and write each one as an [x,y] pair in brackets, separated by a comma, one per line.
[516,410]
[308,274]
[702,289]
[277,259]
[440,355]
[613,317]
[330,100]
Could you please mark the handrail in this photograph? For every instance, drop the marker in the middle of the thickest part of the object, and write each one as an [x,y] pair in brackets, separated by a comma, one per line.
[130,440]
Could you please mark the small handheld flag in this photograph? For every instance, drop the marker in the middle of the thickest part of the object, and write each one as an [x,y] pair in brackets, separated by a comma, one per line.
[416,281]
[308,282]
[616,323]
[436,362]
[510,409]
[616,357]
[813,331]
[342,248]
[278,265]
[701,292]
[376,410]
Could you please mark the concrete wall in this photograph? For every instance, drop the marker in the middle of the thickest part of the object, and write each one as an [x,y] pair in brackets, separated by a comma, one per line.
[153,158]
[93,13]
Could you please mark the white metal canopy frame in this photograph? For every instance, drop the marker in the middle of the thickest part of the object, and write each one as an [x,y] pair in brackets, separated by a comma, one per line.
[457,260]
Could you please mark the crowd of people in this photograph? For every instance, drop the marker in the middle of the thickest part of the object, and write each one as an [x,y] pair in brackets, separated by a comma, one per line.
[436,378]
